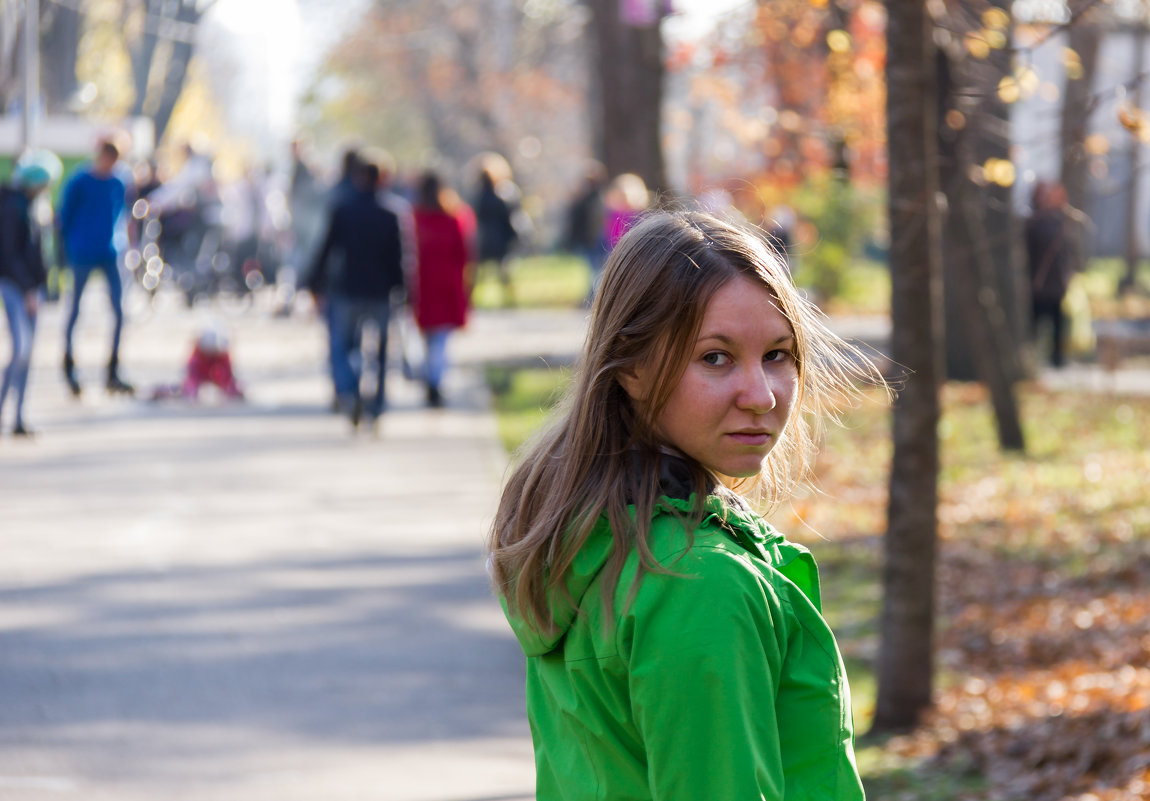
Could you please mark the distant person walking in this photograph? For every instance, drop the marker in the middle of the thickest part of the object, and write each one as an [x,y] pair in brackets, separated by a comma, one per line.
[90,223]
[585,232]
[1053,252]
[495,205]
[394,201]
[363,242]
[305,203]
[626,199]
[345,185]
[442,230]
[22,273]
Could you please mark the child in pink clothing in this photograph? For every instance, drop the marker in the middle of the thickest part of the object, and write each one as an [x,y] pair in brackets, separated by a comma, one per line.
[209,363]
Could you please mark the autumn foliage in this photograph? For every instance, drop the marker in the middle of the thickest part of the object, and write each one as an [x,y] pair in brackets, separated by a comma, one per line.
[818,66]
[1044,594]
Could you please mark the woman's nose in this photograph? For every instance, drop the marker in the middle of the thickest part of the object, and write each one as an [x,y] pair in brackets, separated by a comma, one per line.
[757,394]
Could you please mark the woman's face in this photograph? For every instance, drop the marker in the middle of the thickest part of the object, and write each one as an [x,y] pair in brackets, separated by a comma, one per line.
[733,401]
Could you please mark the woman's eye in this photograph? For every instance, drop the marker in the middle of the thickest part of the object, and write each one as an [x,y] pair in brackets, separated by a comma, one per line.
[777,355]
[716,359]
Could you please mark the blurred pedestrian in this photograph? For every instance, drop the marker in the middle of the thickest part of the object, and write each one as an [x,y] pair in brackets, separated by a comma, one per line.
[440,301]
[585,235]
[23,276]
[92,229]
[626,198]
[1053,251]
[674,640]
[496,203]
[191,215]
[391,198]
[358,268]
[305,207]
[245,223]
[345,185]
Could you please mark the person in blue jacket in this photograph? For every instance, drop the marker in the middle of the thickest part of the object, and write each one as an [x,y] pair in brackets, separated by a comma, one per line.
[90,220]
[22,273]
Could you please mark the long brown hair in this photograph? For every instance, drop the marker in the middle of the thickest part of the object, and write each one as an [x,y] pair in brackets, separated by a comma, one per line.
[602,454]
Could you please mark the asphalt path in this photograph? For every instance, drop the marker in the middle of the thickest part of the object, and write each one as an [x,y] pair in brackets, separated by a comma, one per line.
[251,601]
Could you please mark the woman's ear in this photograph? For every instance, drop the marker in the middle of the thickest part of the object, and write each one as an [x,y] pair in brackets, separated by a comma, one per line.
[633,381]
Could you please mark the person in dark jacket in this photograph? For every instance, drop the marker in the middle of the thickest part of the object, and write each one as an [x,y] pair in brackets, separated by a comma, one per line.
[358,268]
[495,205]
[22,276]
[585,230]
[1051,250]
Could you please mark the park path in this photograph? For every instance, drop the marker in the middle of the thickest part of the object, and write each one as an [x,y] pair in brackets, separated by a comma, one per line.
[248,602]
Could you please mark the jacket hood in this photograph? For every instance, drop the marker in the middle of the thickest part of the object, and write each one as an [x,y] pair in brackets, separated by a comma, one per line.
[719,514]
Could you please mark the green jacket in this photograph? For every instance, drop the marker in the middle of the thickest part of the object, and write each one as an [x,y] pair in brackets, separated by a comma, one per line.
[721,682]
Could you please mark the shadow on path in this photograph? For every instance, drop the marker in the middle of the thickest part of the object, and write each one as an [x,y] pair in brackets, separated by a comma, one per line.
[355,648]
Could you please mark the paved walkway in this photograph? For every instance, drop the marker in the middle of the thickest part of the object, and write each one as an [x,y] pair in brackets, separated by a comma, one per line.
[248,602]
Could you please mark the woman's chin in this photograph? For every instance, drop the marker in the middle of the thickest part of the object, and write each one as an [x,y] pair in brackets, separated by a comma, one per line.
[735,477]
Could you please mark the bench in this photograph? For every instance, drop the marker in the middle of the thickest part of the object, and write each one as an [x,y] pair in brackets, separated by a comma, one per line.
[1118,339]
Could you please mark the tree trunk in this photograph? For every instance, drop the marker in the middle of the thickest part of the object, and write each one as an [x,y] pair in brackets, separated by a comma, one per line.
[630,79]
[59,45]
[1133,212]
[10,31]
[1077,107]
[188,15]
[981,260]
[1004,295]
[989,338]
[142,53]
[906,655]
[169,25]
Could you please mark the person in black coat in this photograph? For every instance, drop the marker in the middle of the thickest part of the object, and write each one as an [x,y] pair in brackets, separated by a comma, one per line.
[22,278]
[495,206]
[358,269]
[1051,258]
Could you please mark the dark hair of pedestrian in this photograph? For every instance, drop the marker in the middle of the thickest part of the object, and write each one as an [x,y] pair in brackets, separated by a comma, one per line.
[350,161]
[486,179]
[108,148]
[601,455]
[366,176]
[430,194]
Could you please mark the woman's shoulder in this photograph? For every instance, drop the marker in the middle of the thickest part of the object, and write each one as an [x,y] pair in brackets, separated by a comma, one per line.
[726,539]
[431,217]
[705,568]
[682,537]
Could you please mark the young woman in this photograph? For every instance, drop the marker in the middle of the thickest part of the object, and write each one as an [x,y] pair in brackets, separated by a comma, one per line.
[675,644]
[440,293]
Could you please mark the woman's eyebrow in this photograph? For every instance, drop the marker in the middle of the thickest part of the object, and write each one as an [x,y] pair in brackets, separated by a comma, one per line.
[729,340]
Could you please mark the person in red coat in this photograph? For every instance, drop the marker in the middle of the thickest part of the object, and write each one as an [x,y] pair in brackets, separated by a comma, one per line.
[444,229]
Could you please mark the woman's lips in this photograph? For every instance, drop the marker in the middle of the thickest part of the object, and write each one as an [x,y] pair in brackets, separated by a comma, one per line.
[750,437]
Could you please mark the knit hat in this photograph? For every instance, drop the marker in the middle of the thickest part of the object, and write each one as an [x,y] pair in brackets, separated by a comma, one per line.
[36,168]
